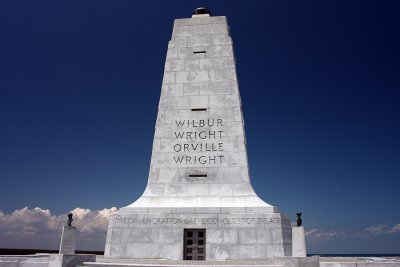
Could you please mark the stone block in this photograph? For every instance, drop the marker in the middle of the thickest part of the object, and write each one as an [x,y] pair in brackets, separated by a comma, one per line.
[220,51]
[232,101]
[172,53]
[206,89]
[184,53]
[238,159]
[219,252]
[203,40]
[230,175]
[221,190]
[224,87]
[9,262]
[174,189]
[219,20]
[226,113]
[248,251]
[298,242]
[139,250]
[199,76]
[198,102]
[185,202]
[169,175]
[222,39]
[24,261]
[217,29]
[163,130]
[235,128]
[242,189]
[216,101]
[217,75]
[191,89]
[155,189]
[199,29]
[171,251]
[214,63]
[70,260]
[181,22]
[200,20]
[173,115]
[192,64]
[174,65]
[169,77]
[183,77]
[67,244]
[177,42]
[175,89]
[174,103]
[197,190]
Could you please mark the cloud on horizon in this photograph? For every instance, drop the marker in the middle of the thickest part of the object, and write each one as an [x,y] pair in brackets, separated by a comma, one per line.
[383,229]
[38,228]
[318,235]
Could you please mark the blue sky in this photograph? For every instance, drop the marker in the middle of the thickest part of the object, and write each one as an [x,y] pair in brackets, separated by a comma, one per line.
[319,80]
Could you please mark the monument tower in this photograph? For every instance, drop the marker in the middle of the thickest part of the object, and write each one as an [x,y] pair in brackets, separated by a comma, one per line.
[199,203]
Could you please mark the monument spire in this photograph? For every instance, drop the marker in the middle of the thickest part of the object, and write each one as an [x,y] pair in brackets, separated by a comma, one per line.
[199,187]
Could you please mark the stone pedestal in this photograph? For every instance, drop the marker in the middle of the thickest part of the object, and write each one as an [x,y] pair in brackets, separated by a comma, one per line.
[67,244]
[70,260]
[299,242]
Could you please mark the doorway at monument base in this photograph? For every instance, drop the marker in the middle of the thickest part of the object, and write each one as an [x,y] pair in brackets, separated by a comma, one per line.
[228,236]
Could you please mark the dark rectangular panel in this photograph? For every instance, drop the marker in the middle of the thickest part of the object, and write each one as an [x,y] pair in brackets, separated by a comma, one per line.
[194,247]
[198,175]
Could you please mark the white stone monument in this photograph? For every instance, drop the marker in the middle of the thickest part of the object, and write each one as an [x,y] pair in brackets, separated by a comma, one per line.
[199,203]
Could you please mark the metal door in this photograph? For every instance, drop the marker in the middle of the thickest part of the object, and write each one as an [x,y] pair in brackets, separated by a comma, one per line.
[194,247]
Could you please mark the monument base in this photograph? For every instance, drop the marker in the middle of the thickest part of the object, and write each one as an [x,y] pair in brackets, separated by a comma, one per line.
[240,234]
[70,260]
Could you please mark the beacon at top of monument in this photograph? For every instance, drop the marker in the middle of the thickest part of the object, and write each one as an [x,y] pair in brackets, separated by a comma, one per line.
[201,11]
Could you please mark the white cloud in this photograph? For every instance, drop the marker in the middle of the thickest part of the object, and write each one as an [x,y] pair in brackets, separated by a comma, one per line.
[395,229]
[27,225]
[87,221]
[378,229]
[318,235]
[383,229]
[321,234]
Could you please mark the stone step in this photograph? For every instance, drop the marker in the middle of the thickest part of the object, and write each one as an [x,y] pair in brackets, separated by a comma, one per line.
[23,261]
[175,264]
[102,261]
